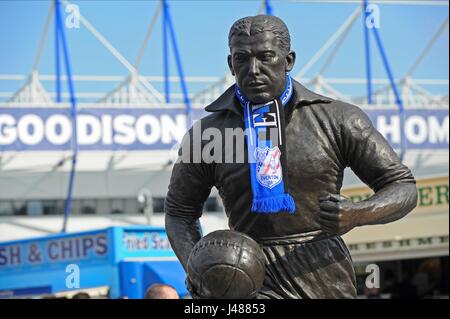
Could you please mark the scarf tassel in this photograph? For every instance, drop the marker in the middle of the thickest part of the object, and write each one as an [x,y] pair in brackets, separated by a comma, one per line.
[274,204]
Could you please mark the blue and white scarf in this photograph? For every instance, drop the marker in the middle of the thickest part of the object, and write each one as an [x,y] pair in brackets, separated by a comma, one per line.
[265,124]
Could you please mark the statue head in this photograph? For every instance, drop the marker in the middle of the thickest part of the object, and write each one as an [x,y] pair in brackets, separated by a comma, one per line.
[260,56]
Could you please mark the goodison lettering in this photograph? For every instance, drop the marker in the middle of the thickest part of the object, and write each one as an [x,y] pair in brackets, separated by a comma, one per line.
[31,129]
[94,131]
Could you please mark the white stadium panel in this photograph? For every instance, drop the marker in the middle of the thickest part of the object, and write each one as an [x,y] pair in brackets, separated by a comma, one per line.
[91,161]
[32,161]
[12,228]
[145,160]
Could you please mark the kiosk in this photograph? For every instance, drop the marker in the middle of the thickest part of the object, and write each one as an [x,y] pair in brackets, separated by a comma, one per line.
[126,260]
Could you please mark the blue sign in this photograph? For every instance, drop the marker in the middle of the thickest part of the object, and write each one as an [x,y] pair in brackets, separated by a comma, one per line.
[89,259]
[142,244]
[33,129]
[423,129]
[94,246]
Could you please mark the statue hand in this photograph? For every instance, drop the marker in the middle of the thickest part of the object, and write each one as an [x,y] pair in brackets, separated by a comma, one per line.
[337,214]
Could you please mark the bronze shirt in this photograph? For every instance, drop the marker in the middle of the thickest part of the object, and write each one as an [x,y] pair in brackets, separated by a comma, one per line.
[323,137]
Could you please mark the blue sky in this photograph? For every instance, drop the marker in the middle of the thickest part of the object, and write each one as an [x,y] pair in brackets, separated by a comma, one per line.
[202,28]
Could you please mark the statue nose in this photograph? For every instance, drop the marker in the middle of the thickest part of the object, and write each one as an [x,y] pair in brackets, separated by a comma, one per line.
[254,67]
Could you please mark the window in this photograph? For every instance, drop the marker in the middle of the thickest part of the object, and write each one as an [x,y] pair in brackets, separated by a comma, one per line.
[88,206]
[103,206]
[6,208]
[34,208]
[158,204]
[212,205]
[131,206]
[117,206]
[19,207]
[53,207]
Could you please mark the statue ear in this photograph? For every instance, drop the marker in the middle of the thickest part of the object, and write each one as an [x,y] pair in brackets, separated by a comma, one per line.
[290,61]
[230,64]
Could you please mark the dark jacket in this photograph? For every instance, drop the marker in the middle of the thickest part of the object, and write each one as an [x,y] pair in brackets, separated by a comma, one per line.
[323,137]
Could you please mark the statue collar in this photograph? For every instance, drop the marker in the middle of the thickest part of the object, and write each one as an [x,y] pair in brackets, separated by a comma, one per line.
[301,97]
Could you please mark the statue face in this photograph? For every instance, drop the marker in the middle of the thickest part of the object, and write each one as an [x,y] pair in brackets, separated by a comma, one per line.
[259,66]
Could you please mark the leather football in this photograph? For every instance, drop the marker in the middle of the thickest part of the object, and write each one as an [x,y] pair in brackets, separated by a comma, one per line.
[226,264]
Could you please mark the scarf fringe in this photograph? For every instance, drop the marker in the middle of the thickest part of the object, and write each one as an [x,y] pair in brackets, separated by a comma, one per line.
[275,204]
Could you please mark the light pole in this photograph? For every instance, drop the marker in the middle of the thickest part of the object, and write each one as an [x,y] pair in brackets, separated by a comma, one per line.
[145,199]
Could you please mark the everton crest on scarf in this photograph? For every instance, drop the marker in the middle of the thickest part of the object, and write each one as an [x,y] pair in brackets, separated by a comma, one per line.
[265,124]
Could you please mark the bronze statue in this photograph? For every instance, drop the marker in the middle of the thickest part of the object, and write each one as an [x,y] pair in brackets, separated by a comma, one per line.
[289,201]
